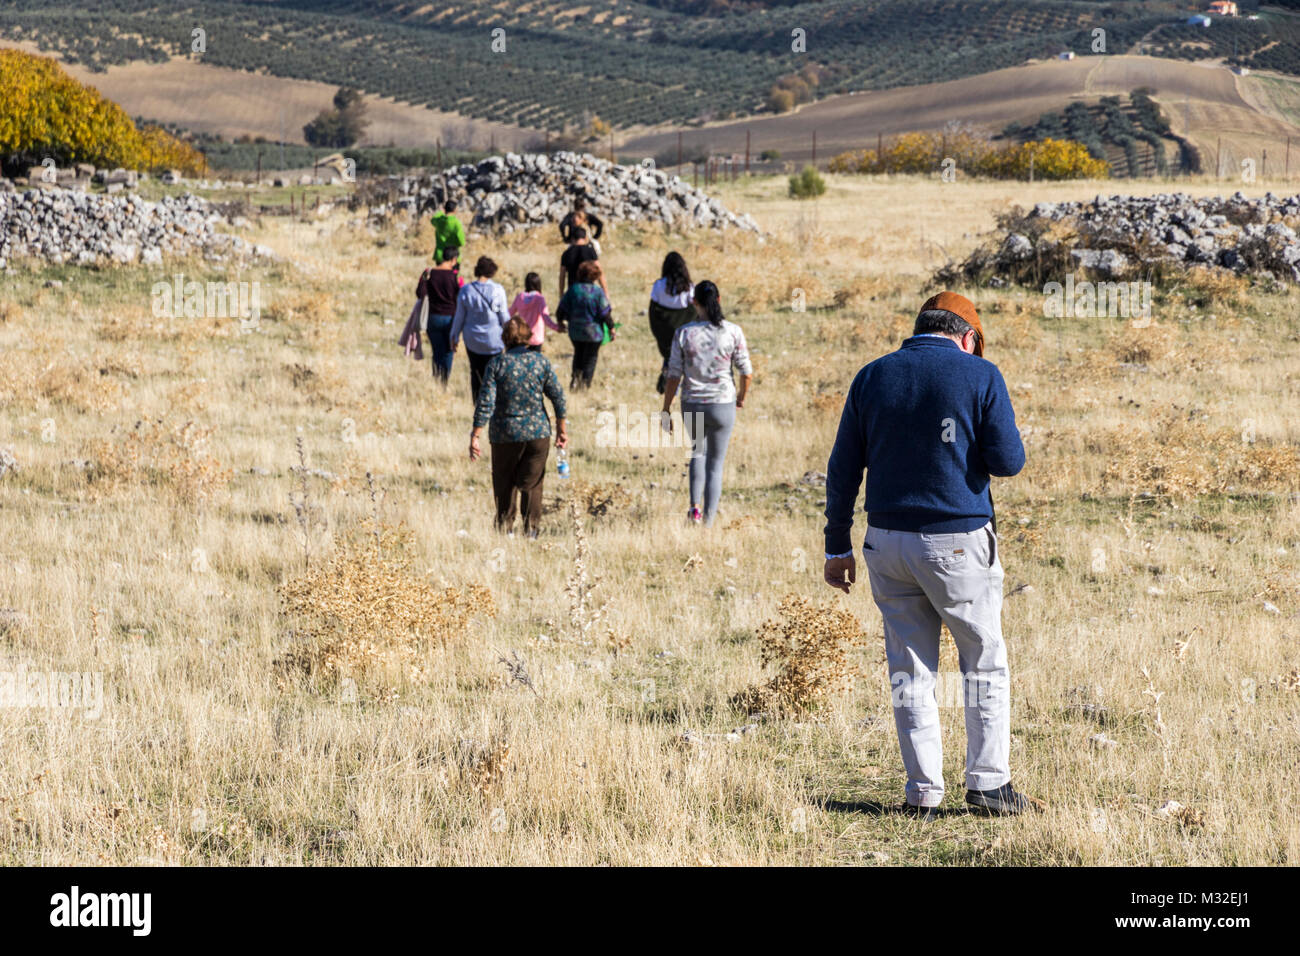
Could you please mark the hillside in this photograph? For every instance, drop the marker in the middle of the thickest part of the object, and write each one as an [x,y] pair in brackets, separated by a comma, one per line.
[233,103]
[1204,102]
[547,64]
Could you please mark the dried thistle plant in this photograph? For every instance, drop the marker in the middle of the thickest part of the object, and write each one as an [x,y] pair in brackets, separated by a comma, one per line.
[483,768]
[355,616]
[584,611]
[810,645]
[12,814]
[302,504]
[374,516]
[600,500]
[1158,723]
[617,640]
[156,452]
[517,671]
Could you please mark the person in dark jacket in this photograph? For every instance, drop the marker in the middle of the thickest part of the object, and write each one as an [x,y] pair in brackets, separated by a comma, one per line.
[585,314]
[511,404]
[929,424]
[670,307]
[441,285]
[593,223]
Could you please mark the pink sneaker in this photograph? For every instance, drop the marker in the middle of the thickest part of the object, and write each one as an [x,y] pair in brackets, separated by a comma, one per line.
[695,516]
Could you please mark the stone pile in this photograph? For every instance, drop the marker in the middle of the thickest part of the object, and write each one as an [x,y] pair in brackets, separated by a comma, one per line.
[1131,237]
[502,194]
[64,226]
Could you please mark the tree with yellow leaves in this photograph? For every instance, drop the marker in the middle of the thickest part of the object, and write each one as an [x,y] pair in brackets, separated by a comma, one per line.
[45,113]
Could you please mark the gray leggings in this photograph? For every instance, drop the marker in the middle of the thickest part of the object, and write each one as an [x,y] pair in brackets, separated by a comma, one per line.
[709,427]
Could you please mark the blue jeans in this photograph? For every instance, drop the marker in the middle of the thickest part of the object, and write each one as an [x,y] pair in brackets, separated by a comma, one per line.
[440,339]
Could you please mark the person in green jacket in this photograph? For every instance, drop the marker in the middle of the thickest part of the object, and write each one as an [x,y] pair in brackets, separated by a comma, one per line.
[448,233]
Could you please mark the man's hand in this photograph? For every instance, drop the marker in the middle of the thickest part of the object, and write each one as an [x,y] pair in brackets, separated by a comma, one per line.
[561,434]
[474,452]
[841,573]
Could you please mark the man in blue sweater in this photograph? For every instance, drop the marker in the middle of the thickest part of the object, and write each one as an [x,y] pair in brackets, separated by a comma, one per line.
[929,424]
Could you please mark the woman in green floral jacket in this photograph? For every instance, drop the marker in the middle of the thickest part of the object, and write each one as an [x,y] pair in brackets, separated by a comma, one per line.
[511,403]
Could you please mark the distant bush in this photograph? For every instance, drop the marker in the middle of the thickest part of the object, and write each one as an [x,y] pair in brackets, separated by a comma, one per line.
[769,155]
[807,184]
[973,156]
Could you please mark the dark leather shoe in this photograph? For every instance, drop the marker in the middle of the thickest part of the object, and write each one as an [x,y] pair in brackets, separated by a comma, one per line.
[1005,801]
[924,814]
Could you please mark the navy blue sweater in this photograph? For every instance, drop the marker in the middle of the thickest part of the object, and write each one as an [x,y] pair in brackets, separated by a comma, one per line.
[929,423]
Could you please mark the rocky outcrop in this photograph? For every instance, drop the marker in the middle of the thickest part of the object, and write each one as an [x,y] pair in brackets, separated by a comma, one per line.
[502,194]
[63,226]
[1128,237]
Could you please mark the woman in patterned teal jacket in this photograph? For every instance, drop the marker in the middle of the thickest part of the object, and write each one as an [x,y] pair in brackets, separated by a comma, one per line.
[511,403]
[585,314]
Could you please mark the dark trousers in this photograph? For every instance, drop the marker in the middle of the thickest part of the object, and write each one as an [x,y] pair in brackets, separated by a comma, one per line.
[519,466]
[584,363]
[439,330]
[477,363]
[664,324]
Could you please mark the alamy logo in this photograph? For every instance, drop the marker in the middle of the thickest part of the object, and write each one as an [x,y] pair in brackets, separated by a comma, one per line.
[1089,300]
[179,299]
[53,690]
[638,429]
[75,908]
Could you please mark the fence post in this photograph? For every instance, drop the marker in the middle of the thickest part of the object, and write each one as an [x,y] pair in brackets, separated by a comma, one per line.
[746,152]
[814,158]
[679,150]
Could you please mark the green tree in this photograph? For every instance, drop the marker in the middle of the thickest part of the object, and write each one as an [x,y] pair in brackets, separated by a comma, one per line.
[341,126]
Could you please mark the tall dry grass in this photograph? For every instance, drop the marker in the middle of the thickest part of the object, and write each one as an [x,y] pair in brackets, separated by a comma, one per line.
[282,687]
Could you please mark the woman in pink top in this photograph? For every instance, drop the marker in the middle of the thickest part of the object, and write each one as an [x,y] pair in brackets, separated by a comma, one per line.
[530,305]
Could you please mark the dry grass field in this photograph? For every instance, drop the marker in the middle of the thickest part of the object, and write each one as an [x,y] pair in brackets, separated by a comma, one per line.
[313,666]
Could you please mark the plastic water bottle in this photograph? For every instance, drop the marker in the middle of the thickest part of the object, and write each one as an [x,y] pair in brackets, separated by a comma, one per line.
[562,462]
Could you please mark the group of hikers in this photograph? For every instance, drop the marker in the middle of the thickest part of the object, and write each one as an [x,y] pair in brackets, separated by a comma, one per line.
[927,425]
[511,378]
